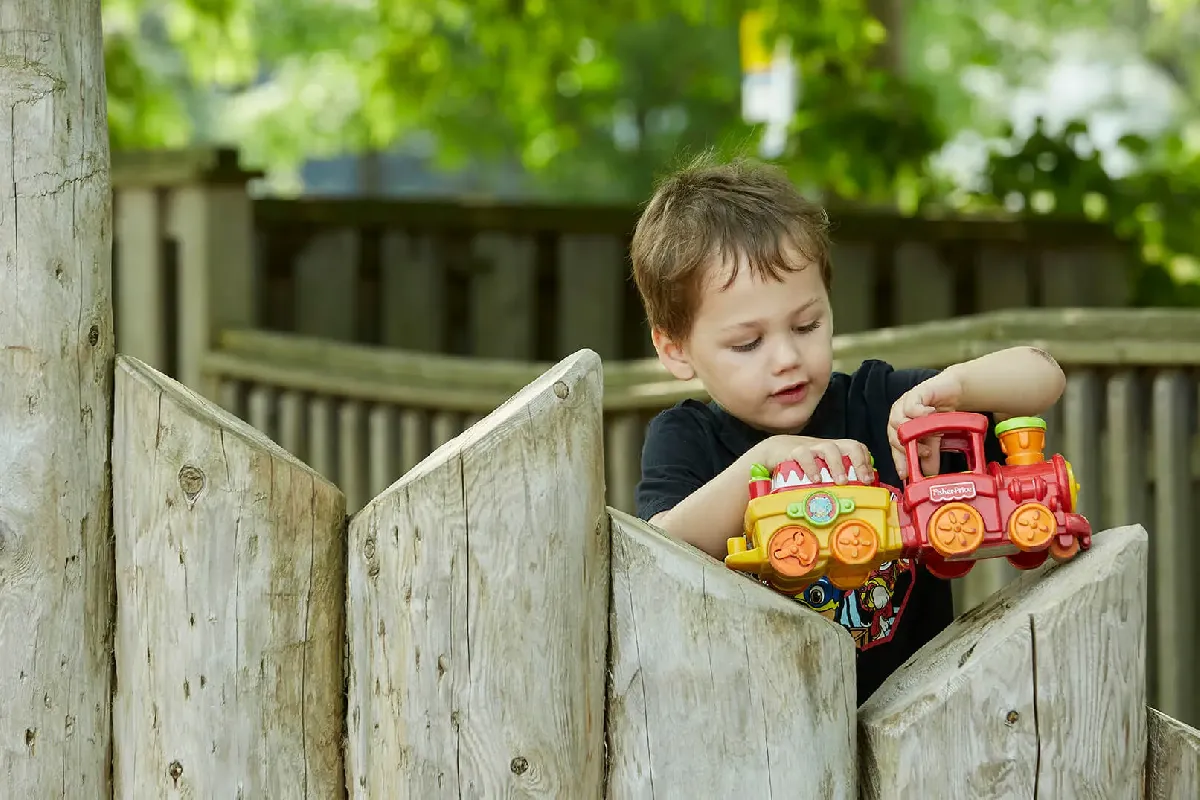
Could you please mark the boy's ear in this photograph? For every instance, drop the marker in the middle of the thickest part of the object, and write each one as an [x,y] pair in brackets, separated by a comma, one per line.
[672,356]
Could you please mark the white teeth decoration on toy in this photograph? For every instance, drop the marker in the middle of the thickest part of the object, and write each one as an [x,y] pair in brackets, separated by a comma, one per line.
[789,479]
[851,475]
[825,476]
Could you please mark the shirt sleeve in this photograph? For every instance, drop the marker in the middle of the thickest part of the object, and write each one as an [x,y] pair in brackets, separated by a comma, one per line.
[676,460]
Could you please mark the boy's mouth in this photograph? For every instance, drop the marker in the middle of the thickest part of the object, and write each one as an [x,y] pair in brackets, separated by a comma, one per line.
[792,394]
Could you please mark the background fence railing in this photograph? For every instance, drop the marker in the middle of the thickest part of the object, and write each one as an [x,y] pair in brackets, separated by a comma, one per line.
[196,254]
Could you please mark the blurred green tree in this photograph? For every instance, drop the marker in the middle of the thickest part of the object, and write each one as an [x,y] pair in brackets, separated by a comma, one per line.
[594,100]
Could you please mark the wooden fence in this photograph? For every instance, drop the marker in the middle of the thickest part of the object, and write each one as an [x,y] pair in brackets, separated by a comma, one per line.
[195,254]
[364,417]
[507,634]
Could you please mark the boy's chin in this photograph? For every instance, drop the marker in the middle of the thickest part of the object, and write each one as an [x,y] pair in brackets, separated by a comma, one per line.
[777,420]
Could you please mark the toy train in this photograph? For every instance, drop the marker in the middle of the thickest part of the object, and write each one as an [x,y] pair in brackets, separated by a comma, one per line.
[798,531]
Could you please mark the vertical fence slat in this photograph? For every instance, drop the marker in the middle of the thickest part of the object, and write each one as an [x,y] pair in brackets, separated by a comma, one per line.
[853,295]
[686,634]
[140,313]
[1081,440]
[326,296]
[230,610]
[1001,279]
[443,427]
[1172,758]
[623,454]
[229,397]
[413,293]
[924,285]
[503,297]
[260,407]
[382,448]
[591,275]
[414,438]
[352,453]
[291,423]
[475,670]
[1126,484]
[1039,692]
[321,454]
[1175,592]
[216,287]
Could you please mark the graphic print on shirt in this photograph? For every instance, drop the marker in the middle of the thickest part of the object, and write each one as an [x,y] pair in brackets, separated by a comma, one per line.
[872,611]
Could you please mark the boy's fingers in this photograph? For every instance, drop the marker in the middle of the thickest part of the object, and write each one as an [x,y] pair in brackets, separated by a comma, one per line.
[860,459]
[807,460]
[832,453]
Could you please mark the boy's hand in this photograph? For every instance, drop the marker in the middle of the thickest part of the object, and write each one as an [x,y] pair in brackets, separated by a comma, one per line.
[942,392]
[805,450]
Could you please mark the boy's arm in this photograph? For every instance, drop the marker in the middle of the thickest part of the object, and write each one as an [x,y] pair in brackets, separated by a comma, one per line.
[707,517]
[1018,381]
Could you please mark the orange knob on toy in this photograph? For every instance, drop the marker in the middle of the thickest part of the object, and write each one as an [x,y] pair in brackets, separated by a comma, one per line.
[1023,440]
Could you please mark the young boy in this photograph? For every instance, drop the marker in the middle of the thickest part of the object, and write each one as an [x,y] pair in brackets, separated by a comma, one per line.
[734,270]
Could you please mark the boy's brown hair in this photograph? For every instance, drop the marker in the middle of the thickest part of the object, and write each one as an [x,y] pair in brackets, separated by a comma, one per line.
[712,213]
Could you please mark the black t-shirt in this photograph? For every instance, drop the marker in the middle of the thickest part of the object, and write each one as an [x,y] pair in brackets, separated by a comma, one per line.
[901,606]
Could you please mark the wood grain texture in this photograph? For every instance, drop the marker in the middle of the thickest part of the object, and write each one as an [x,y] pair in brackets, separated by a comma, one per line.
[721,687]
[56,361]
[1038,692]
[230,604]
[1172,758]
[478,600]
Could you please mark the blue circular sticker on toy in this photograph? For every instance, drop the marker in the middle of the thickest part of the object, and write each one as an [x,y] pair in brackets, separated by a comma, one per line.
[821,508]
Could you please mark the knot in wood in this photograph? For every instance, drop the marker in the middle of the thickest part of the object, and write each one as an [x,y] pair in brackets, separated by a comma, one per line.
[175,769]
[191,481]
[1011,718]
[561,390]
[519,765]
[93,336]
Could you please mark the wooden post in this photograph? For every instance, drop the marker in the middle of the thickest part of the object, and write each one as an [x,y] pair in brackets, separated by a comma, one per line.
[56,361]
[721,687]
[1172,758]
[478,606]
[196,199]
[1038,692]
[230,592]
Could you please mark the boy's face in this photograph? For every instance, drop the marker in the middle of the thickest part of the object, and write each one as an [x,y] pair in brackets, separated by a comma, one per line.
[763,350]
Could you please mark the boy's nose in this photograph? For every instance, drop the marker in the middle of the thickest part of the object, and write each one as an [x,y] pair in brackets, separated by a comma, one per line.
[784,356]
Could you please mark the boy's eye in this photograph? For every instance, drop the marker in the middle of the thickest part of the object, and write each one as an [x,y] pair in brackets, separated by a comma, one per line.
[743,348]
[809,328]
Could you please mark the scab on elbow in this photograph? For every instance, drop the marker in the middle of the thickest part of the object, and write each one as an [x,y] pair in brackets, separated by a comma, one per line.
[1042,354]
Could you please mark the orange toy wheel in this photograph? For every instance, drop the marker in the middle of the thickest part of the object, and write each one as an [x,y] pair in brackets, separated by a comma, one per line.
[1060,553]
[854,543]
[956,529]
[793,551]
[1031,526]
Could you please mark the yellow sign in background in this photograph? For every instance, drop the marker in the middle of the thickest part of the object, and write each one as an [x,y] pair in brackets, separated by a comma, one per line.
[756,56]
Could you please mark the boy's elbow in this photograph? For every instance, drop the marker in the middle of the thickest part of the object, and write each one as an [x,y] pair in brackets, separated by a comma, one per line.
[1055,380]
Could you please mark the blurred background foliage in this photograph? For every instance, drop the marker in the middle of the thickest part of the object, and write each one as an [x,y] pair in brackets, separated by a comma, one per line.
[1071,108]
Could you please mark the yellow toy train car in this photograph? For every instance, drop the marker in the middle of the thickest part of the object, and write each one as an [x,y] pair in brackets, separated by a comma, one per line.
[797,530]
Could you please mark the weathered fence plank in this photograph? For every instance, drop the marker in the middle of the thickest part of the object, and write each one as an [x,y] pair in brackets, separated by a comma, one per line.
[56,359]
[720,687]
[1039,692]
[230,604]
[478,599]
[1172,758]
